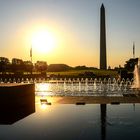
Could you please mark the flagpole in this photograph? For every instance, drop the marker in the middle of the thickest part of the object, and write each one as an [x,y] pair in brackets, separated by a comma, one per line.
[133,49]
[31,58]
[31,53]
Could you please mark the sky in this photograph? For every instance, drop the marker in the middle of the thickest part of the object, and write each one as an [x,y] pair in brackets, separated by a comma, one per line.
[75,28]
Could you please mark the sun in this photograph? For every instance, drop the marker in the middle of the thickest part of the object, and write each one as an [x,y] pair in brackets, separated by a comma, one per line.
[43,41]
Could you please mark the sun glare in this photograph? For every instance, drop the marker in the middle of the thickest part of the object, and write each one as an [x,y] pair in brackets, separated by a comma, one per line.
[43,41]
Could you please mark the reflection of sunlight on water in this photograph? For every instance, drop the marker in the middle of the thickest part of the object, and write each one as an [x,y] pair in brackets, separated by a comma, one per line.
[43,106]
[42,87]
[50,99]
[43,102]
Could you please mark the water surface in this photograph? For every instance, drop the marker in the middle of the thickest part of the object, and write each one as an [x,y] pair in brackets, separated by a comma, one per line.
[76,122]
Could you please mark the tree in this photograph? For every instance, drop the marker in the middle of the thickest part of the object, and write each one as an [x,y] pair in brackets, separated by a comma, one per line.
[17,66]
[41,66]
[4,64]
[130,64]
[28,66]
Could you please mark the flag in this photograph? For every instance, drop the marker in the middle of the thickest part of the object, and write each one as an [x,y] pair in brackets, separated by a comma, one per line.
[31,52]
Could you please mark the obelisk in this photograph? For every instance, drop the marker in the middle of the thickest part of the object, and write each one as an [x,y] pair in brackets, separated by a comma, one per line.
[103,63]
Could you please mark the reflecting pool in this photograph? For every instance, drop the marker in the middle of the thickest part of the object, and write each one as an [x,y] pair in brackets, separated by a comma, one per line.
[65,119]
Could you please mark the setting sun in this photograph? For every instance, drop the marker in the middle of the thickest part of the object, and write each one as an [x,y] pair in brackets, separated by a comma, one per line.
[43,41]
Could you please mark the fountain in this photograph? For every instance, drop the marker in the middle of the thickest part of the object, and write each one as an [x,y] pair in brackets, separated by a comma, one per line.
[137,75]
[84,86]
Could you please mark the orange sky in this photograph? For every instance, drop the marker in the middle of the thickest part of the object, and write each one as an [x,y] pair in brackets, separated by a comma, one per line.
[75,28]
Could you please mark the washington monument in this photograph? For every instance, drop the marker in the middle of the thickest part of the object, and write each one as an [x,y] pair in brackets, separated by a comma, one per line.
[103,63]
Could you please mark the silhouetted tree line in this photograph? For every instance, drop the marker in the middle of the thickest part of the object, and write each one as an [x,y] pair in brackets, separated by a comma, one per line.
[130,64]
[64,67]
[127,70]
[84,68]
[58,67]
[18,66]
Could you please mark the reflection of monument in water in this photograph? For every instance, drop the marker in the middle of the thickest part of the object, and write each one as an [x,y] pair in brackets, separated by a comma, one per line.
[103,109]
